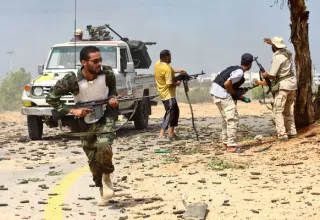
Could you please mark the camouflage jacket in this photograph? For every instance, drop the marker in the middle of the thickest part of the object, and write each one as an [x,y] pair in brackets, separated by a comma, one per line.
[69,84]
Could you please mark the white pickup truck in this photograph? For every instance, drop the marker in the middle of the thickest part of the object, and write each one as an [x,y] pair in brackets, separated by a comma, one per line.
[123,56]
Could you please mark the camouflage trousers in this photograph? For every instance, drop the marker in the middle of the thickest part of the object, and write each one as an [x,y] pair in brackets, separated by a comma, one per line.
[98,147]
[230,120]
[283,112]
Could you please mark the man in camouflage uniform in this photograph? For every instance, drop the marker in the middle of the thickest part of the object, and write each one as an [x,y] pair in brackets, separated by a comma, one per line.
[92,82]
[224,89]
[284,86]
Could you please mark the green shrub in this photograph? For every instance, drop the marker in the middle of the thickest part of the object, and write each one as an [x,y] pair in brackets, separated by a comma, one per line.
[11,88]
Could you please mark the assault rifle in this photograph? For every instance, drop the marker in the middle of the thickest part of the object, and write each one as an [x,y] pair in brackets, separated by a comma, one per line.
[97,107]
[267,81]
[186,77]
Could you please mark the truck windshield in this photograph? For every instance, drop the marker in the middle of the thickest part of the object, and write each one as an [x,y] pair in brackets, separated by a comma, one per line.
[63,57]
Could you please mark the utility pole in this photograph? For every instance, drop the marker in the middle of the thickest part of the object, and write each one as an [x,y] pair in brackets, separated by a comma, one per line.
[10,52]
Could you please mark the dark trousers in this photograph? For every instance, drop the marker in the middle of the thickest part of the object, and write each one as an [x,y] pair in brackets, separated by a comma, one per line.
[171,116]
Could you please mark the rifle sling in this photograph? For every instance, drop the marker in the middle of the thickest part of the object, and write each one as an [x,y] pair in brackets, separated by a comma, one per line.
[284,77]
[186,89]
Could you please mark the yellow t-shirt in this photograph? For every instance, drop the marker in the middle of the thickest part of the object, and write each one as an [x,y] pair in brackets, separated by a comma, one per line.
[164,74]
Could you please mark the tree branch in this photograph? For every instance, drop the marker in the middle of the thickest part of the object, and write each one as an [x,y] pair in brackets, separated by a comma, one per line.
[283,2]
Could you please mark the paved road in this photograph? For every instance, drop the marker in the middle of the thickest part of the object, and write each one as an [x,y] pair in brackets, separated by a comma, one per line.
[46,179]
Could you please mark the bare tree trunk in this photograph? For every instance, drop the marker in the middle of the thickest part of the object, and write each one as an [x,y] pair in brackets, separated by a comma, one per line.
[304,111]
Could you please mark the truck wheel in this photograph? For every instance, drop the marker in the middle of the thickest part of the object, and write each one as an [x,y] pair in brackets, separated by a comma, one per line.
[35,127]
[141,116]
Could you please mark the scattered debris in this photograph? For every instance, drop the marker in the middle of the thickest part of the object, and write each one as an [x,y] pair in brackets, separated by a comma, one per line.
[24,201]
[55,173]
[255,211]
[289,164]
[196,211]
[162,151]
[219,164]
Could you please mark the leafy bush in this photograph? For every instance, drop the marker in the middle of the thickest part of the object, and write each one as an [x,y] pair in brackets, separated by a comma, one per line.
[11,88]
[256,93]
[196,95]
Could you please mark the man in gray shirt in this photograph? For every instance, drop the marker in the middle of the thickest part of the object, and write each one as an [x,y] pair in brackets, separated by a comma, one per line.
[226,85]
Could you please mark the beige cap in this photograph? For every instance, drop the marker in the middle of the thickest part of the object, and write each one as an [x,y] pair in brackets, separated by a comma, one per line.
[78,32]
[278,42]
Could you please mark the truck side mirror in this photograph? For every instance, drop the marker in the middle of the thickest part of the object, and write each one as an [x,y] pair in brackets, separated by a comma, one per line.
[40,69]
[130,68]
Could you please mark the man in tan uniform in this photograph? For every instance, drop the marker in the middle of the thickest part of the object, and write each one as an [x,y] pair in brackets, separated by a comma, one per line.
[284,86]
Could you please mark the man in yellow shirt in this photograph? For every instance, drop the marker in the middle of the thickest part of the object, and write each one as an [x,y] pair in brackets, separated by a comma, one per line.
[166,84]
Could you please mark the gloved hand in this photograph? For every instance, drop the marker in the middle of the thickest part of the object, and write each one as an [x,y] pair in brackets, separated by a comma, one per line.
[240,92]
[245,99]
[245,90]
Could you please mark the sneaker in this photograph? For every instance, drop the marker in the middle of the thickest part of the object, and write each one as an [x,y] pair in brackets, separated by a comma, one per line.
[163,139]
[174,137]
[103,201]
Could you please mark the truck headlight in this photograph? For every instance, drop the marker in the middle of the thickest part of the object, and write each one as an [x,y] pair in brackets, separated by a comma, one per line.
[37,91]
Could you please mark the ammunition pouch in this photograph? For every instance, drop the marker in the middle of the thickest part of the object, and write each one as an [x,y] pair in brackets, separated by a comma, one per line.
[95,115]
[98,112]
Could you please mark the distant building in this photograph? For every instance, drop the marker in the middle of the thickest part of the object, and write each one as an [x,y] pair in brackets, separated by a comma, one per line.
[214,75]
[249,76]
[316,78]
[204,79]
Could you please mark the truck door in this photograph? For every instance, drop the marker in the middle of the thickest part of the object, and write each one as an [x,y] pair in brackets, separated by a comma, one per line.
[127,78]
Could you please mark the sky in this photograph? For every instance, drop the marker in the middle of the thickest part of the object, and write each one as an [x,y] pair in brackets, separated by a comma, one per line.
[207,35]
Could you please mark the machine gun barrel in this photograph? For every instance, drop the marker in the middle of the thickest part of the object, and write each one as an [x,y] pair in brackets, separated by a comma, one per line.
[188,77]
[196,75]
[138,48]
[149,43]
[108,26]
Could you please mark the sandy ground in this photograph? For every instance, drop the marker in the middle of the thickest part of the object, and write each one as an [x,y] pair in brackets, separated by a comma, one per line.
[270,180]
[209,110]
